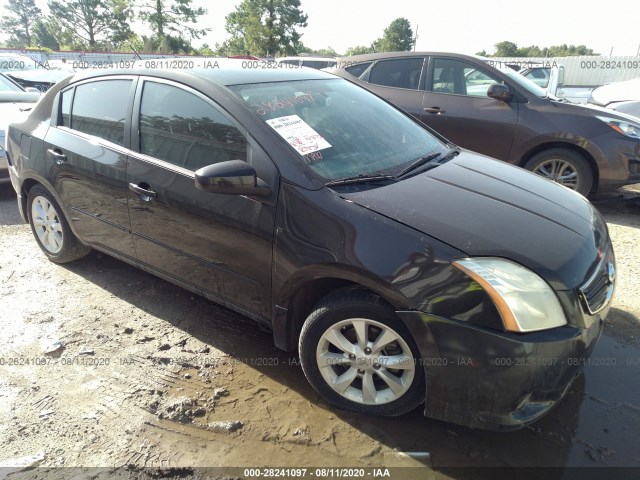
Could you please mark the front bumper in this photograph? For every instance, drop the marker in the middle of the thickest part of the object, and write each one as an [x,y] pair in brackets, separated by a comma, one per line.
[495,380]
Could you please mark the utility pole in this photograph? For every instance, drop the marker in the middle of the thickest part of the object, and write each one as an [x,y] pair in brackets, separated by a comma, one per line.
[415,39]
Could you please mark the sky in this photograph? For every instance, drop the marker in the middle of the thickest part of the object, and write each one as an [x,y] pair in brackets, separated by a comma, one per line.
[463,26]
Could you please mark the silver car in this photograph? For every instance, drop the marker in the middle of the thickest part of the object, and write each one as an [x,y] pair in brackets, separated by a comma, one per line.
[15,101]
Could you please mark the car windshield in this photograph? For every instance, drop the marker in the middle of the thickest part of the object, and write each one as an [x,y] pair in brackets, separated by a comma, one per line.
[339,129]
[7,85]
[524,82]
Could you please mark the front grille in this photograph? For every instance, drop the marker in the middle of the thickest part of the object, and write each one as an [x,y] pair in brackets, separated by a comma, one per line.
[596,292]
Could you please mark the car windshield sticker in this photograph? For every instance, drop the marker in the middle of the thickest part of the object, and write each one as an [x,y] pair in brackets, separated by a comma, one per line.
[298,134]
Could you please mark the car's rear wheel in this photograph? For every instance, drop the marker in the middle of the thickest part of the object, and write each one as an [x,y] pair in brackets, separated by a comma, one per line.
[565,167]
[51,229]
[358,355]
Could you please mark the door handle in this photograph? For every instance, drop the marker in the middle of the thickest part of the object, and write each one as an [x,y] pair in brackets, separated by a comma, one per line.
[143,191]
[436,110]
[57,156]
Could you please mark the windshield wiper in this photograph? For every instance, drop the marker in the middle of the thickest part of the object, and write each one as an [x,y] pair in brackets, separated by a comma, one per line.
[359,179]
[430,161]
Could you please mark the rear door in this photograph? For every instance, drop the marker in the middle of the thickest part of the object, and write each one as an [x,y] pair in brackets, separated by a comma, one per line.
[219,244]
[456,105]
[399,80]
[87,158]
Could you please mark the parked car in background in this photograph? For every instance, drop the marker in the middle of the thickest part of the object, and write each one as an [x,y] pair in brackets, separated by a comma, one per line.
[15,101]
[402,268]
[29,73]
[317,62]
[10,62]
[620,96]
[501,114]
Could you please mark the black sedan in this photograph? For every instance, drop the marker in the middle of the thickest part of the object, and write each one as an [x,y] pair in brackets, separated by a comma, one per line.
[403,269]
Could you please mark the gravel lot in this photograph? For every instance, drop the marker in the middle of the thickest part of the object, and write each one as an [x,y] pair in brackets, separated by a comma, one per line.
[144,373]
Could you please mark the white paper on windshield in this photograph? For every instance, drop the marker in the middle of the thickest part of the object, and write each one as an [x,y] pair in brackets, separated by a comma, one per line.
[298,134]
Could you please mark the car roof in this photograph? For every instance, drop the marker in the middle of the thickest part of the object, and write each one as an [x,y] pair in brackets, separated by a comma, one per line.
[220,70]
[381,55]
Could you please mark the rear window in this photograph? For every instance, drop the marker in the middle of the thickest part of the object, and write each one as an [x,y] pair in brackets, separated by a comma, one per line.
[357,70]
[399,73]
[99,109]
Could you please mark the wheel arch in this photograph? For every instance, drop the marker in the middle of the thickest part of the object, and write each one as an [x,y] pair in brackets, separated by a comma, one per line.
[307,289]
[30,182]
[529,154]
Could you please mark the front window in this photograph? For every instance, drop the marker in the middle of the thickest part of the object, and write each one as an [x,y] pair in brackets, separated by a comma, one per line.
[186,130]
[339,129]
[460,78]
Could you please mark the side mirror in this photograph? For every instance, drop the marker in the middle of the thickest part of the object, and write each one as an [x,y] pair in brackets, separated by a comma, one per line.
[499,92]
[233,177]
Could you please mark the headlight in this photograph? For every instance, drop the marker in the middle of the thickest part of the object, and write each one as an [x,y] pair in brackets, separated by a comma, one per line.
[525,301]
[628,129]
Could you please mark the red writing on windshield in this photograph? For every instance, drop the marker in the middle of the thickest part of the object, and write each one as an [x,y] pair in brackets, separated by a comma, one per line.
[313,157]
[282,103]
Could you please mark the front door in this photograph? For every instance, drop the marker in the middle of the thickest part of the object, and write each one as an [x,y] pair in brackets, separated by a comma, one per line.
[456,105]
[219,244]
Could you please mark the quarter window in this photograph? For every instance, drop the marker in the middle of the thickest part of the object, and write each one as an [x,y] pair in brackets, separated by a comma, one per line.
[99,109]
[400,73]
[185,130]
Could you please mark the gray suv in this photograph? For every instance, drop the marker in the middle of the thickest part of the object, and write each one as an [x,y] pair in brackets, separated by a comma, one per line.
[501,114]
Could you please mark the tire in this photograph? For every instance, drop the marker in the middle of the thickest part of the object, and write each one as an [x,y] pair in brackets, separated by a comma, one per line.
[346,372]
[565,167]
[51,229]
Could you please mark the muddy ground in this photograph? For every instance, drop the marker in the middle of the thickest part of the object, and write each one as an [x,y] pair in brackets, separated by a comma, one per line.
[144,373]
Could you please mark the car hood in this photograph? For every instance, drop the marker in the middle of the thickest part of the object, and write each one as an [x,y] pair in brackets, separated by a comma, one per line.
[40,75]
[617,92]
[484,207]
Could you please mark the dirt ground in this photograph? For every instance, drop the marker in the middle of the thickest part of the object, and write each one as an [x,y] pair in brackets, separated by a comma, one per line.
[104,365]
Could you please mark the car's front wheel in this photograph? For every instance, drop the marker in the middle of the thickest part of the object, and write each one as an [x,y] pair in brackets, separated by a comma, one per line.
[358,355]
[51,229]
[565,167]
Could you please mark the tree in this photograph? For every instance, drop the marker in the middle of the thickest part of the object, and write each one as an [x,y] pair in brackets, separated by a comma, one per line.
[510,49]
[506,49]
[359,50]
[398,37]
[267,27]
[98,23]
[172,18]
[44,34]
[19,18]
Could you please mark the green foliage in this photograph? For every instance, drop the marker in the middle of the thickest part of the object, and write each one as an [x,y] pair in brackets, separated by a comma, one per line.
[323,52]
[231,46]
[510,49]
[19,19]
[171,19]
[44,33]
[98,24]
[265,27]
[359,50]
[398,37]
